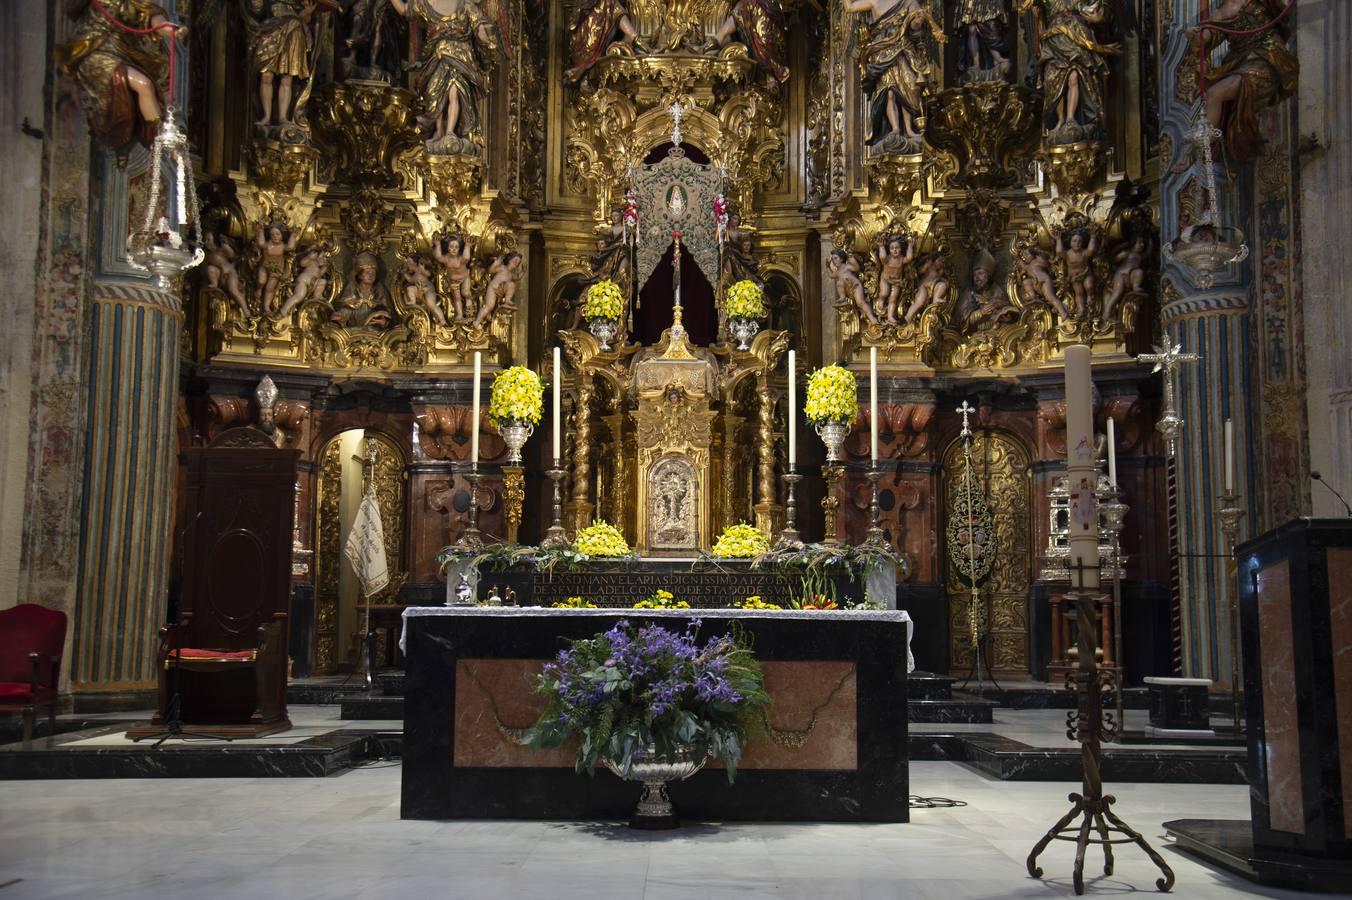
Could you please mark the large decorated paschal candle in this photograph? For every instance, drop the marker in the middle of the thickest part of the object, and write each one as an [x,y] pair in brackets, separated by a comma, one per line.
[1081,472]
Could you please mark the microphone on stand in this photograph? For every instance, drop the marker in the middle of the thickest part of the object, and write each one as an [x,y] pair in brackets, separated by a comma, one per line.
[1319,478]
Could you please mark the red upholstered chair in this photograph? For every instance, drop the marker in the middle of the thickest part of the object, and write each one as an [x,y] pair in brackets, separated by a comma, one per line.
[31,640]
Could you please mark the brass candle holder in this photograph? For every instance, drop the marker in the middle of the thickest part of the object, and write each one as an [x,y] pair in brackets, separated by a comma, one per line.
[514,496]
[1230,514]
[831,503]
[556,538]
[876,541]
[789,538]
[471,538]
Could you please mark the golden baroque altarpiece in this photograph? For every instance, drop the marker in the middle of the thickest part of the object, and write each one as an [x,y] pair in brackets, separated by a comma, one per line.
[392,185]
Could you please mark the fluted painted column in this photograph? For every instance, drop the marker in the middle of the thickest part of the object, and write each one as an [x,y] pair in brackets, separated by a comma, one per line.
[129,478]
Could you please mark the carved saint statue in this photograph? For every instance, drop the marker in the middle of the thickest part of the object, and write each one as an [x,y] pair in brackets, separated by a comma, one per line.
[452,75]
[276,242]
[419,289]
[984,304]
[849,287]
[739,257]
[897,69]
[1073,66]
[374,41]
[455,255]
[1035,277]
[118,72]
[1079,253]
[1258,70]
[219,263]
[503,277]
[761,26]
[1129,276]
[894,255]
[982,54]
[594,32]
[933,286]
[611,259]
[365,302]
[312,278]
[281,47]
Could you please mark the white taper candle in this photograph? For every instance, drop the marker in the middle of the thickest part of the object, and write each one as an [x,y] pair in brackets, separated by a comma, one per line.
[558,365]
[793,409]
[873,402]
[1229,456]
[474,405]
[1112,454]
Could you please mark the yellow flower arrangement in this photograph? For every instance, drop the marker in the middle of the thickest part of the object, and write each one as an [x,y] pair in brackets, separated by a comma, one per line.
[662,600]
[741,541]
[574,603]
[518,396]
[832,396]
[600,539]
[745,300]
[603,301]
[755,602]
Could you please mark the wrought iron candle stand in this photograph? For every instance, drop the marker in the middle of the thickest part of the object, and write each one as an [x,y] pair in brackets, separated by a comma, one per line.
[1098,823]
[1230,514]
[471,538]
[876,541]
[789,538]
[556,538]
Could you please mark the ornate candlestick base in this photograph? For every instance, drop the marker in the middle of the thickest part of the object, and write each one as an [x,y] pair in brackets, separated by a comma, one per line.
[471,538]
[1230,514]
[556,538]
[514,495]
[788,538]
[831,504]
[876,541]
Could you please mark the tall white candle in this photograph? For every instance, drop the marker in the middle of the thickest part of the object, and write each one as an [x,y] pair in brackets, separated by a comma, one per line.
[1112,454]
[474,405]
[793,409]
[558,365]
[1229,456]
[873,402]
[1080,469]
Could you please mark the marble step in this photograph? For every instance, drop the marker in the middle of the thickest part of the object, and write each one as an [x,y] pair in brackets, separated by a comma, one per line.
[929,686]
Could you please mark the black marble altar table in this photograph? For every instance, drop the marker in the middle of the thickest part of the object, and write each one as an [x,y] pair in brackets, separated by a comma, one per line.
[835,751]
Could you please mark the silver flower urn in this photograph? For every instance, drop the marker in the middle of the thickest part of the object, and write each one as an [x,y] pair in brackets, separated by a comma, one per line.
[833,436]
[654,810]
[744,330]
[604,330]
[515,435]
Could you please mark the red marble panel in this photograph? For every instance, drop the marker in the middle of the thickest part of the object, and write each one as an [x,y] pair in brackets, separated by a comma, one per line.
[812,723]
[1340,628]
[1286,806]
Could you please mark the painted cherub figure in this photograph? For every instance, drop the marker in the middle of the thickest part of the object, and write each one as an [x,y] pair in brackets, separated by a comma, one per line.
[1129,277]
[312,278]
[849,287]
[933,287]
[1079,257]
[894,254]
[419,289]
[1035,277]
[503,277]
[275,242]
[455,255]
[219,263]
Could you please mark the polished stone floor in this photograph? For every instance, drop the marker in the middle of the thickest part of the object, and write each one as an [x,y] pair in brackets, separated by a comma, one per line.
[341,837]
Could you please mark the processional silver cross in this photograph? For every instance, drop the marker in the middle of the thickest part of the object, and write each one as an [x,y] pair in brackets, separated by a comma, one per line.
[677,113]
[1167,358]
[966,409]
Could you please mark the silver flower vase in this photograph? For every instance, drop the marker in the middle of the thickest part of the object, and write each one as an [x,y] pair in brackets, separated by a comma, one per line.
[833,436]
[604,330]
[515,435]
[744,330]
[654,810]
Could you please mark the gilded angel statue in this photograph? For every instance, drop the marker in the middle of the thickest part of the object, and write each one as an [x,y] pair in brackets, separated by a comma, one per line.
[1073,66]
[897,68]
[453,73]
[281,53]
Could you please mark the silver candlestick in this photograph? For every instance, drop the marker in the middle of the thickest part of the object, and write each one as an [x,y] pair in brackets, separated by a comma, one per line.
[788,538]
[556,538]
[876,541]
[471,538]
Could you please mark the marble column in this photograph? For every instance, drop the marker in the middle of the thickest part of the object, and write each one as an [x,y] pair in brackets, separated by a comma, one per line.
[129,476]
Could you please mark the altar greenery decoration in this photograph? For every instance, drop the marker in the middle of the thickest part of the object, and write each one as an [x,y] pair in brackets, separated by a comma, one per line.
[745,300]
[603,300]
[518,396]
[654,692]
[661,600]
[601,540]
[740,541]
[832,396]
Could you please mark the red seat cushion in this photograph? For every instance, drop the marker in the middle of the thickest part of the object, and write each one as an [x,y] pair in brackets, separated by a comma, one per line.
[189,654]
[14,690]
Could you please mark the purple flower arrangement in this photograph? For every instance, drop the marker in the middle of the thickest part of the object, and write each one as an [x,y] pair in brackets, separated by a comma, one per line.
[648,687]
